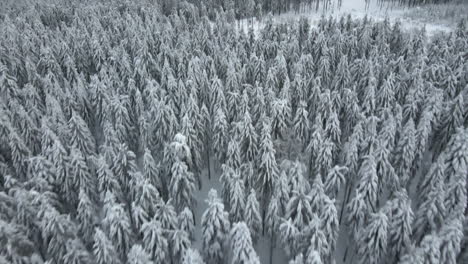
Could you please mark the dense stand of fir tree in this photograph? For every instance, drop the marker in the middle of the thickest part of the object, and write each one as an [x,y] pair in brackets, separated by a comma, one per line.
[112,119]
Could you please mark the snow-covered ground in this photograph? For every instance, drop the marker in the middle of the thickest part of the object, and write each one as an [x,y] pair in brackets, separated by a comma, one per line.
[412,18]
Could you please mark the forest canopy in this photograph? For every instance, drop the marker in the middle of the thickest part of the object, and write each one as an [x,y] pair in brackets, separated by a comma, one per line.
[129,136]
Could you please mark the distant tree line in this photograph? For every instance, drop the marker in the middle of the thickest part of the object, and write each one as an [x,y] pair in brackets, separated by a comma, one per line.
[257,8]
[417,2]
[250,8]
[238,9]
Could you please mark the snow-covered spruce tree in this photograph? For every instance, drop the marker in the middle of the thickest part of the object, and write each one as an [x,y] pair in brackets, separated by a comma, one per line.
[368,182]
[164,123]
[259,105]
[76,252]
[385,168]
[216,95]
[118,106]
[137,255]
[272,219]
[325,156]
[79,176]
[368,98]
[315,142]
[25,125]
[350,112]
[186,221]
[299,259]
[103,249]
[372,242]
[332,127]
[300,122]
[99,98]
[57,229]
[356,214]
[330,225]
[194,142]
[299,209]
[117,224]
[123,163]
[386,96]
[106,179]
[154,242]
[180,243]
[280,114]
[143,139]
[289,234]
[220,129]
[145,193]
[80,135]
[431,212]
[387,133]
[86,216]
[434,176]
[451,235]
[313,257]
[232,104]
[177,149]
[48,136]
[323,69]
[233,156]
[423,134]
[17,246]
[295,172]
[282,191]
[281,67]
[463,255]
[248,138]
[350,158]
[242,247]
[151,172]
[237,198]
[107,202]
[317,194]
[400,226]
[192,256]
[166,215]
[138,215]
[351,148]
[215,228]
[266,165]
[429,250]
[315,240]
[182,185]
[334,180]
[456,174]
[405,153]
[109,146]
[19,153]
[450,120]
[370,136]
[41,169]
[252,215]
[225,178]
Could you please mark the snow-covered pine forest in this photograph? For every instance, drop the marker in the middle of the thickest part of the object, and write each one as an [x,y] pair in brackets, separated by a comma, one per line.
[128,136]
